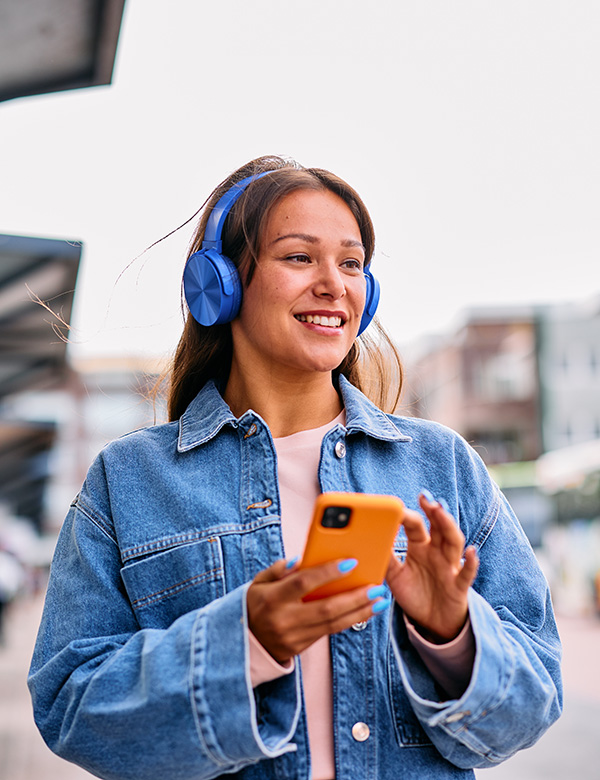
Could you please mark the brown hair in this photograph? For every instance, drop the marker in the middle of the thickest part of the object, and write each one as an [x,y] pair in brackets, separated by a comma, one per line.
[372,364]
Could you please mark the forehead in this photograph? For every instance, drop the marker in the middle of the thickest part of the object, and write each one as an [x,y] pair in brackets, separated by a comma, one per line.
[319,213]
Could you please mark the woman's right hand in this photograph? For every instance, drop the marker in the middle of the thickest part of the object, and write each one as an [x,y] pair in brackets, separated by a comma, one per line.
[286,625]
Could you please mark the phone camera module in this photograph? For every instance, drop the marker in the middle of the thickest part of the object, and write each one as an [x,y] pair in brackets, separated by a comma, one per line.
[336,517]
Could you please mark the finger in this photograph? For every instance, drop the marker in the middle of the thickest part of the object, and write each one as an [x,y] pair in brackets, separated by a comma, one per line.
[275,572]
[445,532]
[362,615]
[394,567]
[415,527]
[335,613]
[467,574]
[303,581]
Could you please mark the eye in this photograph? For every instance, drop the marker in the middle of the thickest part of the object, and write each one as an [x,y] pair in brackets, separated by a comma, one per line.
[298,258]
[353,264]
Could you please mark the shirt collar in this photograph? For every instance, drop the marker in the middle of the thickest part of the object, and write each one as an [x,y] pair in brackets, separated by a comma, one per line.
[208,413]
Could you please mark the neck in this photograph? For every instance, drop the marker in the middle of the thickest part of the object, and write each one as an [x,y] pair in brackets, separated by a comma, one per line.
[287,404]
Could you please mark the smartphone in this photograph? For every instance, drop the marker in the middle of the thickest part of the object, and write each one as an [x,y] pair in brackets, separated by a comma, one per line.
[352,525]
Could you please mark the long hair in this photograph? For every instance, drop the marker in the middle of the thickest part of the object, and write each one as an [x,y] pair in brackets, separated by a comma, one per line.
[372,364]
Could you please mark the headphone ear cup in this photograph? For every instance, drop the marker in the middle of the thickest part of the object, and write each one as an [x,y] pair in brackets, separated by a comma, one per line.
[371,300]
[212,287]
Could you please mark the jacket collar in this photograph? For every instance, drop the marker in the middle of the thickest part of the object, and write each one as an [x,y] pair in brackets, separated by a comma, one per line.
[362,415]
[208,413]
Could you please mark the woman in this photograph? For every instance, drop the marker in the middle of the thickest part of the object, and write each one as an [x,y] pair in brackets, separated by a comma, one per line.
[175,641]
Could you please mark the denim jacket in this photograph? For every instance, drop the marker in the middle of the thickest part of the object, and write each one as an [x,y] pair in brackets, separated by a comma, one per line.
[141,668]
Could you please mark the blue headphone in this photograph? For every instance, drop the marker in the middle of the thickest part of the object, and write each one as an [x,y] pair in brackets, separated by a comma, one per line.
[212,286]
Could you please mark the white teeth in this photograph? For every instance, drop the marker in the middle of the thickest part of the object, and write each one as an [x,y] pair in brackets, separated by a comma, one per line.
[316,319]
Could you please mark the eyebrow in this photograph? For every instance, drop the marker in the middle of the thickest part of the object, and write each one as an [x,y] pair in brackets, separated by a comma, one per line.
[347,242]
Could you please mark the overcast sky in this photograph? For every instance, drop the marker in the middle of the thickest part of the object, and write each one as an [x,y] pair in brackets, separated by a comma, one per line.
[470,128]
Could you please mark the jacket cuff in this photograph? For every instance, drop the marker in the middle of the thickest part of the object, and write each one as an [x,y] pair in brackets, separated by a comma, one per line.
[236,723]
[469,719]
[451,663]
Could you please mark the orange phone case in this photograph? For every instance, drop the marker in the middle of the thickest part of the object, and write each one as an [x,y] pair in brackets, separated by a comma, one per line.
[368,537]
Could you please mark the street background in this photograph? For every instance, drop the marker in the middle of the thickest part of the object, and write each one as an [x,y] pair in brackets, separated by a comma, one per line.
[471,130]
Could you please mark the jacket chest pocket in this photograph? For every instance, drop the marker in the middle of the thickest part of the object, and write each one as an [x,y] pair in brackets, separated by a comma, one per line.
[166,585]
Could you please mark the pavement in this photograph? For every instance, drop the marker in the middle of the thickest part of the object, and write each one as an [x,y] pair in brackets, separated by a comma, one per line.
[23,753]
[571,749]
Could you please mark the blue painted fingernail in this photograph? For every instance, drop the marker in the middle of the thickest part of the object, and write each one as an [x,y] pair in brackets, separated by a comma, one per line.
[379,606]
[376,591]
[291,563]
[427,495]
[444,504]
[347,565]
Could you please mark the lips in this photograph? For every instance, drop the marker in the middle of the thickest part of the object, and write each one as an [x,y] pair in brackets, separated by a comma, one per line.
[333,321]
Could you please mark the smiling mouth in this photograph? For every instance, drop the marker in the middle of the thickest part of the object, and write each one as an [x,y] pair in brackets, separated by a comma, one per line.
[318,319]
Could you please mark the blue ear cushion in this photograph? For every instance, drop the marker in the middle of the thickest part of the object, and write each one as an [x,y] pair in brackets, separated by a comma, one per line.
[371,300]
[212,287]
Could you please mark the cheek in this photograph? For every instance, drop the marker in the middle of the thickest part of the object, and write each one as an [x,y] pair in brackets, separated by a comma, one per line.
[358,296]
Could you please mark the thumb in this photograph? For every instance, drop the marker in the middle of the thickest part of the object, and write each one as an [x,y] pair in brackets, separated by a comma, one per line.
[276,571]
[394,569]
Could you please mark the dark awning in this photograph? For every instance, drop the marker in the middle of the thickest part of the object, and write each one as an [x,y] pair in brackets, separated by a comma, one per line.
[32,357]
[52,45]
[32,354]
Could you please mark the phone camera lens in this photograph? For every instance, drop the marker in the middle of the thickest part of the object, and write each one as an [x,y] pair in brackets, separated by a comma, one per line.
[336,517]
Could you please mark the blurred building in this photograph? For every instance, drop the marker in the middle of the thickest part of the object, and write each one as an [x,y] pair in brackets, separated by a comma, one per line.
[569,367]
[514,381]
[482,380]
[522,385]
[103,399]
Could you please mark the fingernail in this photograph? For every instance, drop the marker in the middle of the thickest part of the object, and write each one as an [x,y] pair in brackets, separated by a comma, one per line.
[291,563]
[444,504]
[427,495]
[376,591]
[347,565]
[379,606]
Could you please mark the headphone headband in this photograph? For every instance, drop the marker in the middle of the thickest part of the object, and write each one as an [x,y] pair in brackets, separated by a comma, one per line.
[219,213]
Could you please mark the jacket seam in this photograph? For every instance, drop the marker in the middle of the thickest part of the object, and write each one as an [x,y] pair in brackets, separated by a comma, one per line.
[94,518]
[487,524]
[171,542]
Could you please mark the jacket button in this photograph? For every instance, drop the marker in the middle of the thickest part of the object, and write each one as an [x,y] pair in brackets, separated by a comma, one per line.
[340,449]
[360,626]
[360,731]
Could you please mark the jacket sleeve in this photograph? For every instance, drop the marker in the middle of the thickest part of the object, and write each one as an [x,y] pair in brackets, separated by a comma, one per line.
[125,702]
[515,690]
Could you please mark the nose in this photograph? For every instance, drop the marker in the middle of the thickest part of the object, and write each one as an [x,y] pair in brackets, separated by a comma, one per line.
[329,282]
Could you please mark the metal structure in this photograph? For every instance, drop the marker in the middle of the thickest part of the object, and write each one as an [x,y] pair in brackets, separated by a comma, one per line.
[45,46]
[37,284]
[52,45]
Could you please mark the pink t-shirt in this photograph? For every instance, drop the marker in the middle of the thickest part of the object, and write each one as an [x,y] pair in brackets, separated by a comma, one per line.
[298,458]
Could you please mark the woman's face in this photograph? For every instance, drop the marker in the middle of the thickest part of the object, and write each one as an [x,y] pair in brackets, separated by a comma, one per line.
[302,308]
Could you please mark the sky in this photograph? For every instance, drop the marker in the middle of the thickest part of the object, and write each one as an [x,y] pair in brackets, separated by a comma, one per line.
[470,128]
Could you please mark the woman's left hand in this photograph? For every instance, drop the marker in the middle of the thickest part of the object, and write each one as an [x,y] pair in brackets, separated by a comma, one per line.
[431,585]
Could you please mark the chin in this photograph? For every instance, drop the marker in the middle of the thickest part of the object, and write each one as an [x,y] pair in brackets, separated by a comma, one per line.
[325,366]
